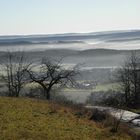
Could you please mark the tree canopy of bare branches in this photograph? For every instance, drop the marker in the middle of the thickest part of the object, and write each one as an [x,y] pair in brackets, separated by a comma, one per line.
[129,77]
[52,73]
[13,72]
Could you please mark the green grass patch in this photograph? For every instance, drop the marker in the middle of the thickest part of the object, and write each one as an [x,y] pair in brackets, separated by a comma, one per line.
[106,87]
[100,87]
[135,110]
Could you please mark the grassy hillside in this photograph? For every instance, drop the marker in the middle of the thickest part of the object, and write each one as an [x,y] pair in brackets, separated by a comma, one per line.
[22,118]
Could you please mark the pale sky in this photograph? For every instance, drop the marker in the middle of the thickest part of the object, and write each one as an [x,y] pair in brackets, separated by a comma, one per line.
[63,16]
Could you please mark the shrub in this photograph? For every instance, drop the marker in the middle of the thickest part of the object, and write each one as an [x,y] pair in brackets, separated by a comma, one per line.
[106,98]
[98,115]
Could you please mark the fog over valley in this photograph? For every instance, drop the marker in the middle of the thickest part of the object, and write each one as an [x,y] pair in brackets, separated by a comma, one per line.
[94,50]
[119,40]
[98,54]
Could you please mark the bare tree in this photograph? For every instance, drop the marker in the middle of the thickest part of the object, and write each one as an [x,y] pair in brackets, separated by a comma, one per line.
[124,78]
[129,77]
[13,73]
[117,115]
[135,76]
[52,73]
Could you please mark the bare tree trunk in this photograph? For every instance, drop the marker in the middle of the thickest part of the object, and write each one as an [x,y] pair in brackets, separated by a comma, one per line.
[46,93]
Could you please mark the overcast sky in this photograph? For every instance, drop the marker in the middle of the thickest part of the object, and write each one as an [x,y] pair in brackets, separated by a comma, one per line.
[61,16]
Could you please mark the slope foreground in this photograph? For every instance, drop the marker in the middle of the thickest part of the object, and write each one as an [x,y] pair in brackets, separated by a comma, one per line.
[22,118]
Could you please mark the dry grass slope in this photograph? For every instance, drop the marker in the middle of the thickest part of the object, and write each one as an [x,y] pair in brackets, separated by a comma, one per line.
[29,119]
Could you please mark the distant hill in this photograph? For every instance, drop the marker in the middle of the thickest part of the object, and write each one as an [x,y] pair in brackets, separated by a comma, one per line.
[90,58]
[114,36]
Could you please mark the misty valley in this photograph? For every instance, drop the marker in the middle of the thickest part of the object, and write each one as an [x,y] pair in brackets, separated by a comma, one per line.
[95,72]
[97,54]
